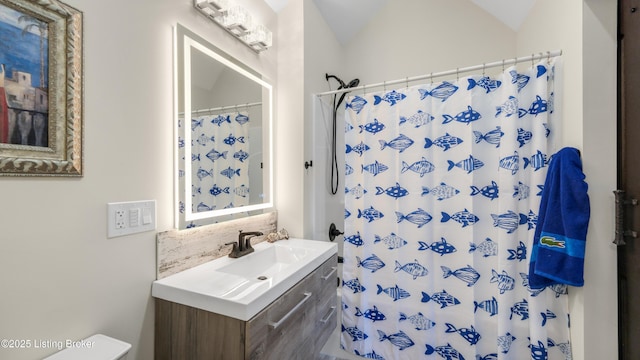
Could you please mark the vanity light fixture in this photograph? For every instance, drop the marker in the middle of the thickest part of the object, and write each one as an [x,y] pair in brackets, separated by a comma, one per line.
[237,21]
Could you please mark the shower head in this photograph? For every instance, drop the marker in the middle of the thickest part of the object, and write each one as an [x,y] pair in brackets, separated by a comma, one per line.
[353,83]
[342,84]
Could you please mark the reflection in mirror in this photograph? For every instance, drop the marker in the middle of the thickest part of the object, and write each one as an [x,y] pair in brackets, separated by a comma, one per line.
[223,131]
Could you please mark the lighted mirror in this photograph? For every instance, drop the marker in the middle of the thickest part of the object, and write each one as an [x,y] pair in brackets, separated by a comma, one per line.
[223,134]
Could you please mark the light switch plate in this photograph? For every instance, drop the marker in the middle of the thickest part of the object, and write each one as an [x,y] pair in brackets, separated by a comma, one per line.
[124,218]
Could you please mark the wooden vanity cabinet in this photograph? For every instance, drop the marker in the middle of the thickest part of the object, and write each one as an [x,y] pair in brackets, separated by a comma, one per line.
[294,326]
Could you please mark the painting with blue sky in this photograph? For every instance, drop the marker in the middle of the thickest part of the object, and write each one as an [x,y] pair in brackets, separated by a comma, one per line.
[23,44]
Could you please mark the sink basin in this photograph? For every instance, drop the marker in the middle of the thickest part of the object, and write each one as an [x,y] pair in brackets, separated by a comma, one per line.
[241,288]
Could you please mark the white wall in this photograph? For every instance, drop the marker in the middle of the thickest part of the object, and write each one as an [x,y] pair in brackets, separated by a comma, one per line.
[61,278]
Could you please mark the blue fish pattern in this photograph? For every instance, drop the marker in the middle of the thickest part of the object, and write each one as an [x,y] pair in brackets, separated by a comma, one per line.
[203,139]
[490,191]
[492,137]
[371,355]
[242,190]
[204,207]
[216,190]
[445,142]
[355,333]
[241,155]
[372,263]
[214,155]
[442,92]
[202,173]
[391,97]
[231,140]
[196,124]
[485,82]
[441,247]
[465,117]
[496,137]
[242,119]
[230,173]
[221,119]
[441,192]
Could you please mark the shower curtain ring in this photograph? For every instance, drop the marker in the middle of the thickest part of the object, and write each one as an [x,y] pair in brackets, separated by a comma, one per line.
[431,77]
[548,57]
[483,69]
[407,79]
[457,74]
[384,86]
[502,65]
[532,57]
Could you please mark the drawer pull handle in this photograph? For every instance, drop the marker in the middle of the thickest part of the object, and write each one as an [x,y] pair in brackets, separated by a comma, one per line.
[333,269]
[333,310]
[275,324]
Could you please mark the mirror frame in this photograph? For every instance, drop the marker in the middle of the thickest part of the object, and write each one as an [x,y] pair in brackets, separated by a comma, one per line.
[184,41]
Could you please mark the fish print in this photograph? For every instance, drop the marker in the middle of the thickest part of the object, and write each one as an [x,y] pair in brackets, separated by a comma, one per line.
[401,143]
[396,293]
[230,173]
[492,137]
[559,289]
[547,131]
[488,248]
[371,355]
[504,281]
[418,217]
[414,269]
[565,348]
[489,191]
[469,334]
[393,191]
[505,341]
[490,306]
[467,165]
[242,190]
[546,316]
[538,161]
[348,169]
[447,352]
[180,142]
[195,157]
[221,119]
[485,82]
[521,191]
[419,321]
[354,239]
[373,127]
[532,219]
[521,308]
[370,214]
[241,155]
[195,124]
[442,91]
[356,104]
[204,139]
[466,274]
[492,356]
[371,314]
[465,117]
[442,298]
[519,253]
[204,207]
[539,106]
[420,167]
[357,191]
[525,283]
[216,190]
[464,217]
[541,188]
[540,70]
[524,136]
[508,221]
[445,142]
[202,173]
[392,241]
[375,168]
[399,339]
[521,80]
[355,333]
[441,247]
[346,213]
[372,263]
[511,163]
[242,119]
[231,140]
[358,149]
[539,351]
[510,107]
[354,285]
[418,119]
[441,192]
[391,97]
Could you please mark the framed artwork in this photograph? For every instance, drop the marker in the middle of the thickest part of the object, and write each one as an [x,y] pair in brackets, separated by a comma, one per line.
[41,102]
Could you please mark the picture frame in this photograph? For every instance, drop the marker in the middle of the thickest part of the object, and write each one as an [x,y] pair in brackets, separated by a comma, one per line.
[41,89]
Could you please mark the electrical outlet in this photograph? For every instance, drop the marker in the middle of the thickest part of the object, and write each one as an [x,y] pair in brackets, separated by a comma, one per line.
[126,218]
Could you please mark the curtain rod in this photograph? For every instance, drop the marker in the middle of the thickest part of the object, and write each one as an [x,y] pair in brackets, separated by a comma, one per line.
[504,62]
[228,107]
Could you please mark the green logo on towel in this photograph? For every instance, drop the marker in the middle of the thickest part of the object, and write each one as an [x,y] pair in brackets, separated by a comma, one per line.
[551,242]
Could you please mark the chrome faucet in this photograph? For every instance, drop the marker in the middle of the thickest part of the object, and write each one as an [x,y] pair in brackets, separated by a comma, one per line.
[243,246]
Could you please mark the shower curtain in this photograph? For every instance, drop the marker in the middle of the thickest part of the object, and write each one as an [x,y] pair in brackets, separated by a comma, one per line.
[442,190]
[219,161]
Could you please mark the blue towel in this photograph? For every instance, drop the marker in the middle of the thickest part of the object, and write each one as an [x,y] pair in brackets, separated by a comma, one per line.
[557,255]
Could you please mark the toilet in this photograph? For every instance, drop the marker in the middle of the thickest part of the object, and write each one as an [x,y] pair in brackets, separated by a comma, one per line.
[96,347]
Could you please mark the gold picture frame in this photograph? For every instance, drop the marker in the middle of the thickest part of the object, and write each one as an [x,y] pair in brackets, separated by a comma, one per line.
[41,89]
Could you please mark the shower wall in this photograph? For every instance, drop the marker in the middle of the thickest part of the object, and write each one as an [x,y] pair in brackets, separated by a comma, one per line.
[415,37]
